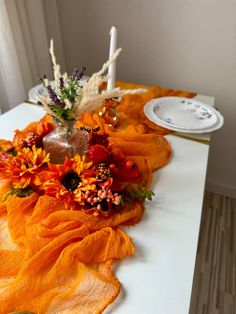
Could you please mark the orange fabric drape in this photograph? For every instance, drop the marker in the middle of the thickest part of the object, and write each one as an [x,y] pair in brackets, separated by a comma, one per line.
[60,261]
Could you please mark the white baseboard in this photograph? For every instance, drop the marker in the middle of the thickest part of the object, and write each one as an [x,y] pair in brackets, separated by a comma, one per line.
[220,188]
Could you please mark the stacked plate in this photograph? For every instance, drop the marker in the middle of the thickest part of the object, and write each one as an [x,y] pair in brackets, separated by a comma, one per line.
[183,115]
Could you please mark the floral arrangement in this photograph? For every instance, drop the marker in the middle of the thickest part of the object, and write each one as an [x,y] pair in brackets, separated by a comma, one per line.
[98,183]
[98,180]
[69,98]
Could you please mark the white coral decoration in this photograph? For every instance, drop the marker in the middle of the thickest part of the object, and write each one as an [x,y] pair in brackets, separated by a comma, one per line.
[88,97]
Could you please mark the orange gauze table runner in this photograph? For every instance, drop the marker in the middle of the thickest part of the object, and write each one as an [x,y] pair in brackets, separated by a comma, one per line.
[55,260]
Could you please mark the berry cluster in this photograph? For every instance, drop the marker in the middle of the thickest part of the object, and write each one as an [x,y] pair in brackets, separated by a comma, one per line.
[103,172]
[31,139]
[103,199]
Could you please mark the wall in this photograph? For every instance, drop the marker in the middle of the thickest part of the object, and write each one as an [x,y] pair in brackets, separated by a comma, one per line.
[185,44]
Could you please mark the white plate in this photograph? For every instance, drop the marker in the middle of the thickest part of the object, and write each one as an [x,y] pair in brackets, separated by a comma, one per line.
[42,91]
[184,113]
[216,120]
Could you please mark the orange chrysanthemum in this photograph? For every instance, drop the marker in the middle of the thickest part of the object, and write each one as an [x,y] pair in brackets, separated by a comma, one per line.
[70,181]
[23,169]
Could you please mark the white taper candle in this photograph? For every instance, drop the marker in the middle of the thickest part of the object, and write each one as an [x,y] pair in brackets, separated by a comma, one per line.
[112,67]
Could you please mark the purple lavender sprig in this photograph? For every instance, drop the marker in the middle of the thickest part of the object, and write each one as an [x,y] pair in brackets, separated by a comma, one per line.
[81,73]
[74,74]
[61,83]
[54,97]
[78,74]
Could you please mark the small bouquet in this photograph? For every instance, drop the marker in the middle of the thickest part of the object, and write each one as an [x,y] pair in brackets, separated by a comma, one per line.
[69,97]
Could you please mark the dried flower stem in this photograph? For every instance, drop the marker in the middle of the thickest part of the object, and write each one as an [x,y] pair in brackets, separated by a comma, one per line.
[56,67]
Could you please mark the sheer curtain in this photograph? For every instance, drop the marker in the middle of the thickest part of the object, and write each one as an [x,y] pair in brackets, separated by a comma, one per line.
[24,56]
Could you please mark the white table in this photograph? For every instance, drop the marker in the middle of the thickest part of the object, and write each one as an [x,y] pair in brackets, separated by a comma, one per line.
[158,279]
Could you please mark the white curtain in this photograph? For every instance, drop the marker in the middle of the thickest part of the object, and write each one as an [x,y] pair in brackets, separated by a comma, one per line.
[24,56]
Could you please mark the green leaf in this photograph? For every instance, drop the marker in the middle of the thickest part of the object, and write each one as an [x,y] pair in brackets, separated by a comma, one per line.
[121,202]
[69,92]
[62,114]
[140,193]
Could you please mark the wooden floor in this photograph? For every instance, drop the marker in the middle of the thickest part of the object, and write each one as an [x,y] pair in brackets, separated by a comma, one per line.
[214,287]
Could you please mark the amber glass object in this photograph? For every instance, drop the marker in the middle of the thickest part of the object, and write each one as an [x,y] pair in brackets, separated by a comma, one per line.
[66,140]
[108,112]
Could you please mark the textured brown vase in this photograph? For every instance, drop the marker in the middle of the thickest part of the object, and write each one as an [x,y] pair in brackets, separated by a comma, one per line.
[66,140]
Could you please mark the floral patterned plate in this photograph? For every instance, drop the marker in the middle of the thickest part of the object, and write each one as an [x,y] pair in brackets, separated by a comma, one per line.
[183,115]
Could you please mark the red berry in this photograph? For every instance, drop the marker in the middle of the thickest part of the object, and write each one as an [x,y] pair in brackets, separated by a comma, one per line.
[129,170]
[113,169]
[130,164]
[97,153]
